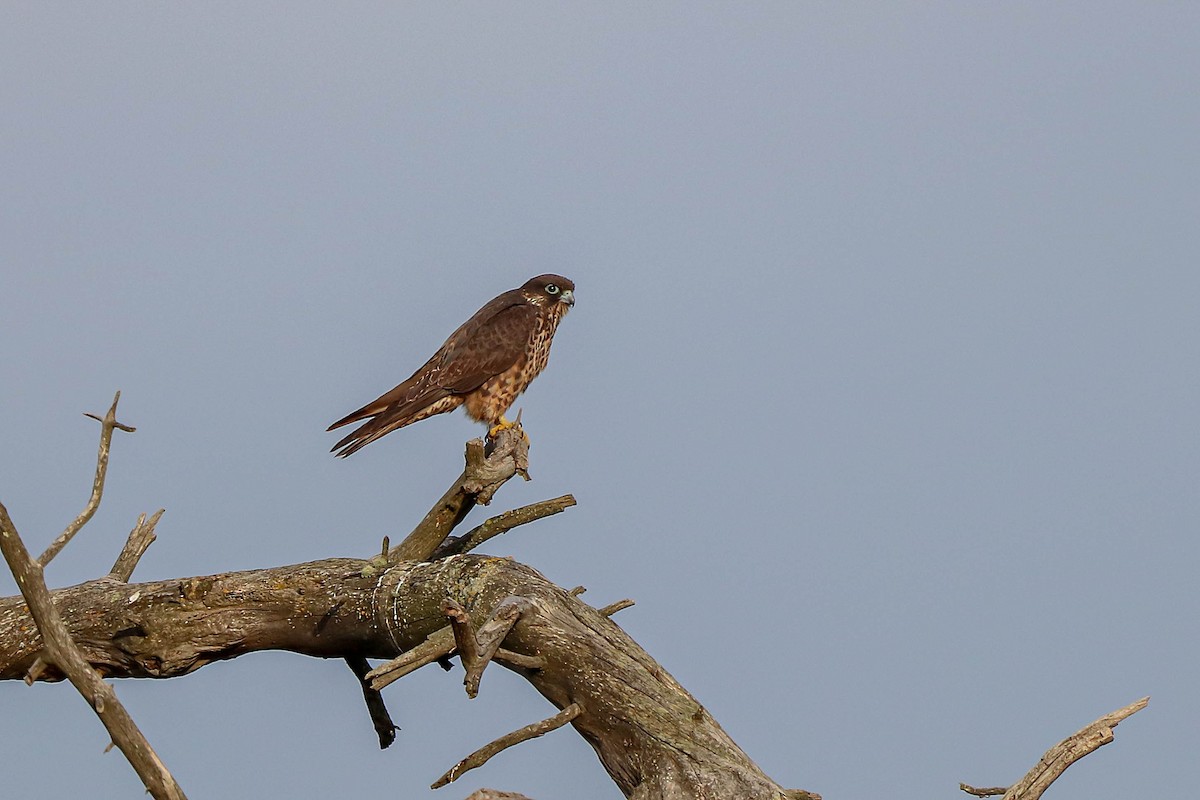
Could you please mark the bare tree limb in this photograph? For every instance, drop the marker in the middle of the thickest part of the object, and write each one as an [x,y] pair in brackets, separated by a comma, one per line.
[139,541]
[485,472]
[1056,760]
[502,523]
[433,649]
[483,754]
[63,653]
[107,424]
[652,737]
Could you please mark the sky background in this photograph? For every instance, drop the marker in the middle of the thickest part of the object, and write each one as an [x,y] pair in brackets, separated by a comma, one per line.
[879,395]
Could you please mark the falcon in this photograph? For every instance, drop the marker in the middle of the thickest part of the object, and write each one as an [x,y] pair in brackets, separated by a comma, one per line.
[484,365]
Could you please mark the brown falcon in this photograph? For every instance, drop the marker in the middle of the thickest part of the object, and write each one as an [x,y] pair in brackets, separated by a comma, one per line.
[484,365]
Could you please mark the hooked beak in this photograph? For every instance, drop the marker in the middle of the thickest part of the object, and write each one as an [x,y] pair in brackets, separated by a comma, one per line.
[567,297]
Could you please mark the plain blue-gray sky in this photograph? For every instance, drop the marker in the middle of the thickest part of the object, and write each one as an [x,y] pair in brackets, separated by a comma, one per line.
[879,396]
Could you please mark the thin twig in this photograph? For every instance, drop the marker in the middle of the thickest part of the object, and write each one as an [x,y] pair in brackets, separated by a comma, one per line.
[140,539]
[380,718]
[436,647]
[483,754]
[65,655]
[990,791]
[1056,760]
[502,523]
[107,425]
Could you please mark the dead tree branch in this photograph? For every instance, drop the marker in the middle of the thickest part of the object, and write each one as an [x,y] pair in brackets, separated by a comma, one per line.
[485,472]
[1056,760]
[62,653]
[108,423]
[438,646]
[380,718]
[502,523]
[652,737]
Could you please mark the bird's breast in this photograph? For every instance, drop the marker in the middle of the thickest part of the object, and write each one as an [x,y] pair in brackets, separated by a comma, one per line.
[537,353]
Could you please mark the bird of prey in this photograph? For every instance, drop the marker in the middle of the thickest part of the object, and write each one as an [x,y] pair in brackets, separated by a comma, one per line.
[484,365]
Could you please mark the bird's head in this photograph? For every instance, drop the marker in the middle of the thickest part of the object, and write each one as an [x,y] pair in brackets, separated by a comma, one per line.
[546,290]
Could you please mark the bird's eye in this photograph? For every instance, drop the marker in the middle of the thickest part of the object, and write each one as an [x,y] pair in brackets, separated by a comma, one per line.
[551,288]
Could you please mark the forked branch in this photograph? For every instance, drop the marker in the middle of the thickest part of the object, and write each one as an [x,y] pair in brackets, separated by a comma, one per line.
[484,473]
[476,648]
[108,423]
[62,652]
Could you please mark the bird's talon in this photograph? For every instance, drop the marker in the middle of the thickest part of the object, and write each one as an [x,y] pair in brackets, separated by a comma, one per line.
[503,425]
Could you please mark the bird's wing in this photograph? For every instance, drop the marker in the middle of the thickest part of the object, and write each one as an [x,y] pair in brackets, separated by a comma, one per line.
[493,346]
[418,390]
[487,344]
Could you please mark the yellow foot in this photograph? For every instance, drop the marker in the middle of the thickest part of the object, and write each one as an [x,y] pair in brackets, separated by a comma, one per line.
[502,425]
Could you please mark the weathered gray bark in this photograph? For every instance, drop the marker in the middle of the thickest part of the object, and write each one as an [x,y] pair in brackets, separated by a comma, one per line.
[654,739]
